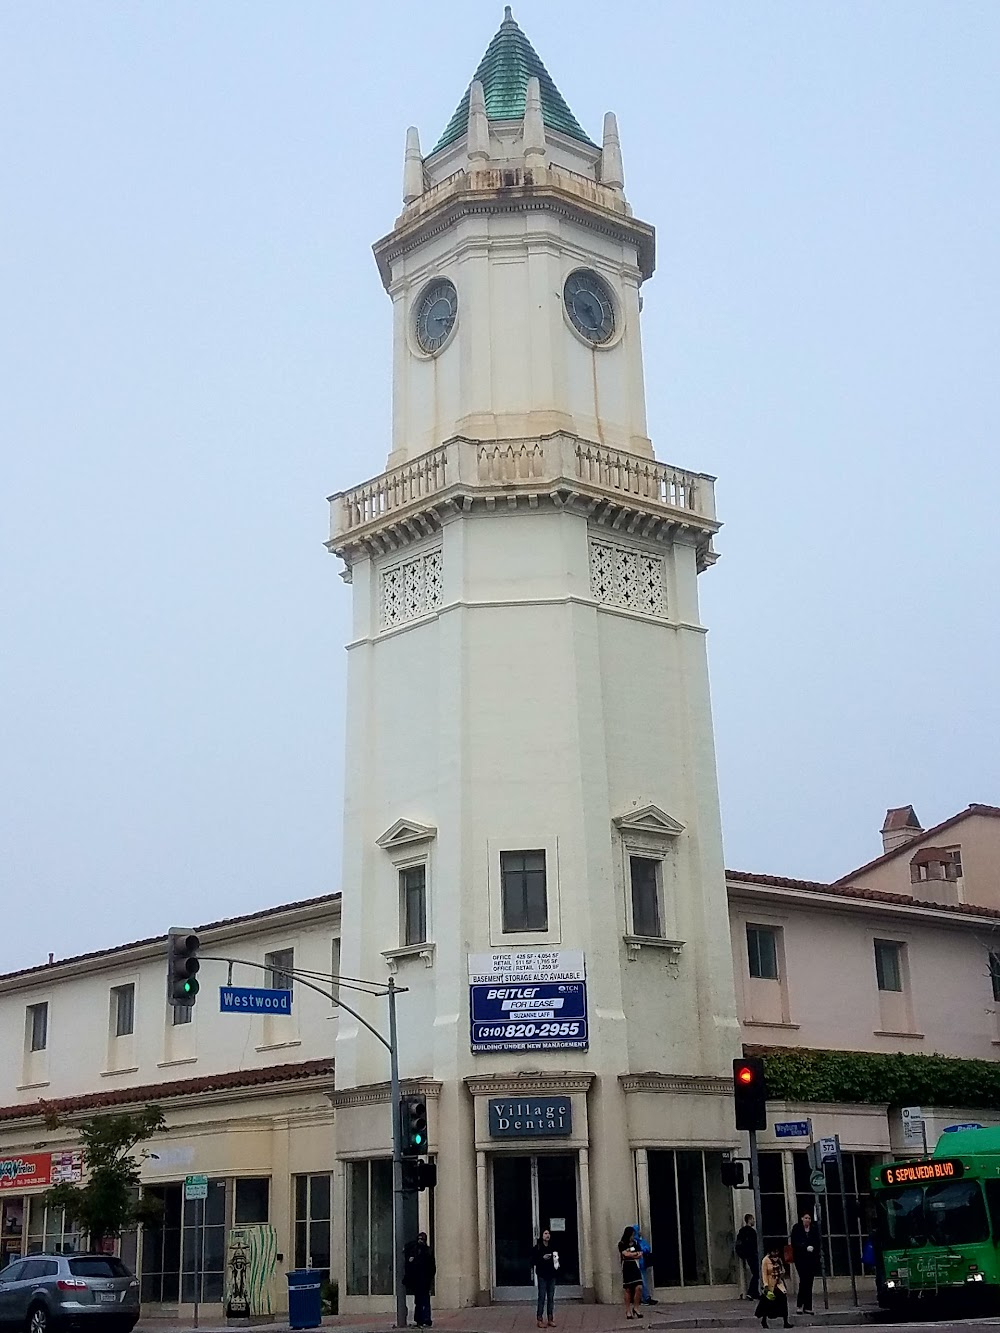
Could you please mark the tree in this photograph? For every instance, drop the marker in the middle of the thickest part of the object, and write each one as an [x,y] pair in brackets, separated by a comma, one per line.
[110,1199]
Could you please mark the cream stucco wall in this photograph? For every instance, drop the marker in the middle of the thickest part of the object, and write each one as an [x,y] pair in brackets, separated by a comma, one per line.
[827,996]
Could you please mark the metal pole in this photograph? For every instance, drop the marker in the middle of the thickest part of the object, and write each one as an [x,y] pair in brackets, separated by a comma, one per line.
[198,1221]
[814,1159]
[847,1225]
[397,1164]
[755,1182]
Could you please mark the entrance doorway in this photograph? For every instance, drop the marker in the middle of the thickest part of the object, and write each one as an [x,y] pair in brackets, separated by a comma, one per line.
[529,1194]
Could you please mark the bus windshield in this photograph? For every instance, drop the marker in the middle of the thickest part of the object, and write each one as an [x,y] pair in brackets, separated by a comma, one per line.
[917,1215]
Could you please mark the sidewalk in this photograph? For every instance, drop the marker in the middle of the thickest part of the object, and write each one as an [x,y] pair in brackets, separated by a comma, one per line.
[571,1317]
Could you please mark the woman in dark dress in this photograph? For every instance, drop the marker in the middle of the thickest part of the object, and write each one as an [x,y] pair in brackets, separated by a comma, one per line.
[630,1254]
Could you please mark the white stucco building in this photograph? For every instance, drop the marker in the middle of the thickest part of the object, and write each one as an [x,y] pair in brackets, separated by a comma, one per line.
[532,842]
[530,755]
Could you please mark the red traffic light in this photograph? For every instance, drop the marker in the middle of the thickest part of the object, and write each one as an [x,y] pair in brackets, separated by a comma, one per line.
[750,1093]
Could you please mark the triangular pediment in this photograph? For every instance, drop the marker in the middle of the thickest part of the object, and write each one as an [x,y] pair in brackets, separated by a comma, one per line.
[404,833]
[649,819]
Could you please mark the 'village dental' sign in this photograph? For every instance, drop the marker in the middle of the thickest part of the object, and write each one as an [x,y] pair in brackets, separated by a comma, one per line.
[530,1117]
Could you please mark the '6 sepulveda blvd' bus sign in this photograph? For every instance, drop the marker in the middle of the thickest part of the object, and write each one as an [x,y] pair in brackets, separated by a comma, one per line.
[528,1000]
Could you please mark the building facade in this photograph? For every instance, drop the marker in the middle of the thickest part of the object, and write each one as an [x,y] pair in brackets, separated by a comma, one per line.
[253,1104]
[532,790]
[532,841]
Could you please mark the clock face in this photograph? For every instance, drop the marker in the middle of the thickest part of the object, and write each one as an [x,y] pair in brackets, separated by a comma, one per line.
[590,306]
[436,311]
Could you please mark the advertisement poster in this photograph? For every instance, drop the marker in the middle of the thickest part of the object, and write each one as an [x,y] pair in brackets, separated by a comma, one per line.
[251,1255]
[24,1170]
[528,1000]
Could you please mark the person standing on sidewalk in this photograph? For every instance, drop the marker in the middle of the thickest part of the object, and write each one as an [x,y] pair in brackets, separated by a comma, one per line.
[746,1252]
[546,1264]
[630,1255]
[418,1278]
[805,1241]
[645,1266]
[773,1303]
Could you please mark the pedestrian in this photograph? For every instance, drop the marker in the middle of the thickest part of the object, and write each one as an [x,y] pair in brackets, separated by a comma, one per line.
[773,1301]
[630,1256]
[545,1261]
[746,1252]
[805,1242]
[645,1266]
[418,1278]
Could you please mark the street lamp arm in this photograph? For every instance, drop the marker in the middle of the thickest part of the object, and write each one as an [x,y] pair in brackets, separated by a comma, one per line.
[303,981]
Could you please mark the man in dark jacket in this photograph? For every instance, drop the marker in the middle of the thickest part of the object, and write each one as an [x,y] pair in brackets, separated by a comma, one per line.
[805,1240]
[746,1250]
[418,1278]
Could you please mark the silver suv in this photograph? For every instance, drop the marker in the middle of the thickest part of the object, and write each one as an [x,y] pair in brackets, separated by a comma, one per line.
[57,1291]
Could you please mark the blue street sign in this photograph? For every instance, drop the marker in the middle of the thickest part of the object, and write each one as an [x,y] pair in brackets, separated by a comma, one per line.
[955,1129]
[792,1129]
[254,1000]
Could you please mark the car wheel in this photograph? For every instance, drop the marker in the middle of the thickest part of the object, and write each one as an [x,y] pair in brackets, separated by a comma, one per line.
[38,1320]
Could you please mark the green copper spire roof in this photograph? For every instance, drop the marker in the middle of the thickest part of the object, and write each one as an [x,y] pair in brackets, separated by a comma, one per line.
[510,61]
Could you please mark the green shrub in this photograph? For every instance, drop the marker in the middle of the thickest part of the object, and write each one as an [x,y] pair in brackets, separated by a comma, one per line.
[894,1078]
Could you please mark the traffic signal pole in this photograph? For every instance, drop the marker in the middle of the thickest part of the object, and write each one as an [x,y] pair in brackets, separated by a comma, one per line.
[397,1163]
[755,1182]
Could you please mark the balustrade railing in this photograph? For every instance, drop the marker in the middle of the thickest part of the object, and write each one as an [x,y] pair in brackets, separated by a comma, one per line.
[486,464]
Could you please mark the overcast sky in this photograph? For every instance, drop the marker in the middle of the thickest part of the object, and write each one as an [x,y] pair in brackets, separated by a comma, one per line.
[195,351]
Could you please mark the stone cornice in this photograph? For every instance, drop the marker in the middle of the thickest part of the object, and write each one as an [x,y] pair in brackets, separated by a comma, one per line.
[538,1084]
[376,1094]
[714,1086]
[461,198]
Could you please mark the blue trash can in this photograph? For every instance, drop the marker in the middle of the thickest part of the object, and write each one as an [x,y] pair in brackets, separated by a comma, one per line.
[304,1306]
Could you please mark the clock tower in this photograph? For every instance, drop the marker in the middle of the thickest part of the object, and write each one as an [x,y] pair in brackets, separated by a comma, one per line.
[532,842]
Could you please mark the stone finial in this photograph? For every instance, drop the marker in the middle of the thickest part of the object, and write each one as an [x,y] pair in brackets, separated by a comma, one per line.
[478,139]
[533,134]
[413,168]
[612,171]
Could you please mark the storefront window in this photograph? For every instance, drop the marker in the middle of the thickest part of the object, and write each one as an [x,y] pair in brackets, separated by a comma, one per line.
[11,1229]
[313,1196]
[50,1231]
[204,1245]
[252,1197]
[774,1214]
[369,1226]
[691,1219]
[838,1229]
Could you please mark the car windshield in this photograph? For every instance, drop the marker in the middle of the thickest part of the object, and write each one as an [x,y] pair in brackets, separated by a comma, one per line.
[951,1214]
[99,1265]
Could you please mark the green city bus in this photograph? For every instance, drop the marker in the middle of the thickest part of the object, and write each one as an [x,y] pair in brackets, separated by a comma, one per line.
[937,1229]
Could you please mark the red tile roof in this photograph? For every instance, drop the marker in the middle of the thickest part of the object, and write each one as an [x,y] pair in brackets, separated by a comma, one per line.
[182,1087]
[992,811]
[155,939]
[840,890]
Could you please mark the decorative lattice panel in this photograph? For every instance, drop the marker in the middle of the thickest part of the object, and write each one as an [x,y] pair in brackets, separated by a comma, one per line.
[627,577]
[409,589]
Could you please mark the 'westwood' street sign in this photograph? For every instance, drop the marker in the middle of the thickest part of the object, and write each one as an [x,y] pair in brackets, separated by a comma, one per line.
[254,1000]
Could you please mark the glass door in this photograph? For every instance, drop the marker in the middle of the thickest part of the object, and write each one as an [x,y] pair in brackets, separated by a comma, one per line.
[529,1194]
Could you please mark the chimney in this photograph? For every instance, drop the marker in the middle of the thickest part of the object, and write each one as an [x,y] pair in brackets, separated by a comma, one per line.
[901,826]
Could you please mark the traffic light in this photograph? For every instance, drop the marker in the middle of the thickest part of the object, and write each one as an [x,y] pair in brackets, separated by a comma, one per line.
[182,967]
[413,1126]
[750,1093]
[418,1175]
[733,1173]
